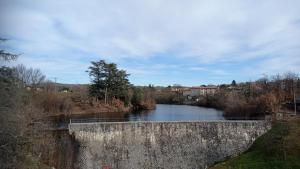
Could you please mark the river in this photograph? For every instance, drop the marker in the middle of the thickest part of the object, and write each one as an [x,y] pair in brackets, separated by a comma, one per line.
[163,112]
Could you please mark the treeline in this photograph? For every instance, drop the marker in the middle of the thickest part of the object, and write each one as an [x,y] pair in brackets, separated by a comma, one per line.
[256,99]
[245,100]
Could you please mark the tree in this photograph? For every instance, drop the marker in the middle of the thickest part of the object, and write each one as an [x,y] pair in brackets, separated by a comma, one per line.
[6,56]
[108,81]
[98,74]
[137,97]
[233,83]
[11,141]
[17,114]
[121,86]
[143,98]
[29,76]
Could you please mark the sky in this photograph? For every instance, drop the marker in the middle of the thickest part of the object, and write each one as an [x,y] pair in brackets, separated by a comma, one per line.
[160,42]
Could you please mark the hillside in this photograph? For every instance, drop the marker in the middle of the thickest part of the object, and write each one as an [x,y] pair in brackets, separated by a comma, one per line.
[277,149]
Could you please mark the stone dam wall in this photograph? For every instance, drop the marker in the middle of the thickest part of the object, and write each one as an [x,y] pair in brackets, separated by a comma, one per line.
[168,145]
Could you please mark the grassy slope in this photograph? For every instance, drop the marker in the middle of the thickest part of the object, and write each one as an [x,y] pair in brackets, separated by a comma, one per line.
[277,149]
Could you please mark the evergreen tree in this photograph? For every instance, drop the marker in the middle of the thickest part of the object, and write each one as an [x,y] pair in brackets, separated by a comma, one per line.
[233,83]
[108,81]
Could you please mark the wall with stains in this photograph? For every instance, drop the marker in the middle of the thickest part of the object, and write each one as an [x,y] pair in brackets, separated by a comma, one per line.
[189,145]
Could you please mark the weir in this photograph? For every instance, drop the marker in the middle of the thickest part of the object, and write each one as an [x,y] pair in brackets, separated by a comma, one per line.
[168,145]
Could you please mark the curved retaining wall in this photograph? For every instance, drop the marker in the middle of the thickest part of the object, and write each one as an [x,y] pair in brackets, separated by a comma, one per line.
[136,145]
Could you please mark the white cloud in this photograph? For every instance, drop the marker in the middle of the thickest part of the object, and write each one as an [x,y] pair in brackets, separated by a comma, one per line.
[213,71]
[273,66]
[208,31]
[197,68]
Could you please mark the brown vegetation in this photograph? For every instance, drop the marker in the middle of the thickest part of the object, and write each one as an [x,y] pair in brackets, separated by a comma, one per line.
[255,99]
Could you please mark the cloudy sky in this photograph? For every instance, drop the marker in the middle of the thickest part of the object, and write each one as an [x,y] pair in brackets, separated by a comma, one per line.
[161,42]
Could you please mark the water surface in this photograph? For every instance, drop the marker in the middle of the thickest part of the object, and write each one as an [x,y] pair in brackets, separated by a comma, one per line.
[165,112]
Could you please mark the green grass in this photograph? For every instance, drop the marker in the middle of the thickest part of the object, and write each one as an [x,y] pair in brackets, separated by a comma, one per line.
[279,148]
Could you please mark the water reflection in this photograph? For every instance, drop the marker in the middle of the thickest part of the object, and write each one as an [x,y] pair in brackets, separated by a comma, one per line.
[163,112]
[176,113]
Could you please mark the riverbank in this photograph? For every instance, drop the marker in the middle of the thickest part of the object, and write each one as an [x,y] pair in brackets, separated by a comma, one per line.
[74,104]
[279,148]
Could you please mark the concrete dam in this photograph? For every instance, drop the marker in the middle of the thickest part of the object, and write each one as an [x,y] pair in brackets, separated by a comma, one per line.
[165,145]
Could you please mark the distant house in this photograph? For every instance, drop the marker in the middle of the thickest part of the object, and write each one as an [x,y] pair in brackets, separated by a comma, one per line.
[204,90]
[187,92]
[200,91]
[178,89]
[65,90]
[234,88]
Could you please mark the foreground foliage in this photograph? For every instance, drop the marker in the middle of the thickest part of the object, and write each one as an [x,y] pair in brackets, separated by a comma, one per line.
[277,149]
[16,114]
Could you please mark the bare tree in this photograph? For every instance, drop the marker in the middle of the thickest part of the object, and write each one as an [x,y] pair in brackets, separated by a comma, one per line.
[6,56]
[29,77]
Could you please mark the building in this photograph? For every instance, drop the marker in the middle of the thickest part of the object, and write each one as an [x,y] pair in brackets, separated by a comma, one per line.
[200,91]
[187,92]
[178,89]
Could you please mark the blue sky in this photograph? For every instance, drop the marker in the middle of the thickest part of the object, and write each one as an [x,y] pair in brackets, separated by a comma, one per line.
[160,42]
